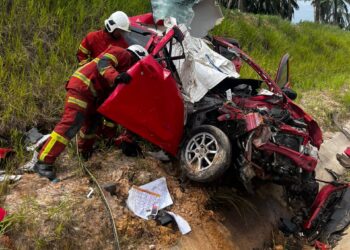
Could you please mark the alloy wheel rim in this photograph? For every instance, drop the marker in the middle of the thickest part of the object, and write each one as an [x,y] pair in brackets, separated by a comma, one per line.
[201,151]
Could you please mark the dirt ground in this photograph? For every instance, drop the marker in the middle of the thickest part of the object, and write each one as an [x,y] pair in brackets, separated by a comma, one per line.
[60,216]
[50,215]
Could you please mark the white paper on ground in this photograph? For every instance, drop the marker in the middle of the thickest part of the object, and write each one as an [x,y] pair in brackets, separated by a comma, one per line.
[182,224]
[141,199]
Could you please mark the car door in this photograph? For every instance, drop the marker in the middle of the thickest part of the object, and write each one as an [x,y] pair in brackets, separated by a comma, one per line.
[150,106]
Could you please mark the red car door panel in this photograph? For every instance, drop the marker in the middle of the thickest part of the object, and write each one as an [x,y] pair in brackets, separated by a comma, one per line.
[150,106]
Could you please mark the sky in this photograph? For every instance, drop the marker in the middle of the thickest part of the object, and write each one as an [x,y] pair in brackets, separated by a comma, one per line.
[305,12]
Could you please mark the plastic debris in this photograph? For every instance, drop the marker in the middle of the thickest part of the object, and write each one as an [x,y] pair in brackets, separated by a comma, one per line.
[89,195]
[9,177]
[29,166]
[347,151]
[4,152]
[32,136]
[343,160]
[159,155]
[38,143]
[3,213]
[182,224]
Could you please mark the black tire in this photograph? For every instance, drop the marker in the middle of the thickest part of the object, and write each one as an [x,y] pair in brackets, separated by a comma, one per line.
[198,160]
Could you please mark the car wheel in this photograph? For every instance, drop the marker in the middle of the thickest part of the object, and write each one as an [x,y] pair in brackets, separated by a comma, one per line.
[206,154]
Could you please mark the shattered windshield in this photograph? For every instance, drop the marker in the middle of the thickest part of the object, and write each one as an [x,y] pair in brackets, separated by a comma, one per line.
[179,9]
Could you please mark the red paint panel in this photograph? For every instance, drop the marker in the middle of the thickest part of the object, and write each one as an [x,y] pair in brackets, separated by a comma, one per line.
[4,152]
[347,151]
[320,202]
[150,106]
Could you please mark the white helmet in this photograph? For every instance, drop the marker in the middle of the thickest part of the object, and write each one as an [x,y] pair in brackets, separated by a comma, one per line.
[118,20]
[138,50]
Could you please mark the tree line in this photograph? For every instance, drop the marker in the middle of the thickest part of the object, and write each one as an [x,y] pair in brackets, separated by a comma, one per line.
[334,12]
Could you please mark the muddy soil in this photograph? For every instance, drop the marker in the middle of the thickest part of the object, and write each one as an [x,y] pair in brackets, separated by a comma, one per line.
[59,215]
[50,215]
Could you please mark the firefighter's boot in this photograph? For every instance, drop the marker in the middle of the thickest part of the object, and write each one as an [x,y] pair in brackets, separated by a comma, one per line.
[45,170]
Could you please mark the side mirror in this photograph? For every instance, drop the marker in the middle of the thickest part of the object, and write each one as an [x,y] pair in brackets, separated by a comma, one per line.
[290,93]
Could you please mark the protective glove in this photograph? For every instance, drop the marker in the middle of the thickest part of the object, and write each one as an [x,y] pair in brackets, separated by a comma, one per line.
[122,78]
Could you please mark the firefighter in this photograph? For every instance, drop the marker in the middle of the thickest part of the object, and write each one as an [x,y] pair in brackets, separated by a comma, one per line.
[98,41]
[87,88]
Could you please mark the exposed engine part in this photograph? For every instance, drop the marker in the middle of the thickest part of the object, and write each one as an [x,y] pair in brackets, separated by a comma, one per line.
[288,140]
[311,150]
[246,174]
[263,135]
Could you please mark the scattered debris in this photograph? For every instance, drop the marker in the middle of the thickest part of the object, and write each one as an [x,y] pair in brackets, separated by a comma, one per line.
[164,218]
[337,124]
[142,199]
[182,224]
[159,155]
[91,191]
[343,160]
[146,201]
[347,151]
[38,143]
[4,152]
[29,166]
[32,136]
[2,213]
[7,177]
[335,175]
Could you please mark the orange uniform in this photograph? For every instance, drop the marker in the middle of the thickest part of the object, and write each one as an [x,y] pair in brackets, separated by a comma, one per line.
[87,88]
[95,43]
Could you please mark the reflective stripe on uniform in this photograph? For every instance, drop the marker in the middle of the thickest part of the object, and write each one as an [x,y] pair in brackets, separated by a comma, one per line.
[86,136]
[78,102]
[109,124]
[104,70]
[96,60]
[85,80]
[83,62]
[54,137]
[112,57]
[83,49]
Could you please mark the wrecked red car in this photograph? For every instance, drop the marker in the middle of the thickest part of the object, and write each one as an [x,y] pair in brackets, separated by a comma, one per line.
[256,128]
[249,127]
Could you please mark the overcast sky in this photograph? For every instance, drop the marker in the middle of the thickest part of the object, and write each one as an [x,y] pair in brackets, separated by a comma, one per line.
[305,12]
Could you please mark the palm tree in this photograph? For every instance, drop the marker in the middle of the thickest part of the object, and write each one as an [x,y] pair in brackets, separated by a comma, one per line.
[284,8]
[241,5]
[317,10]
[332,11]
